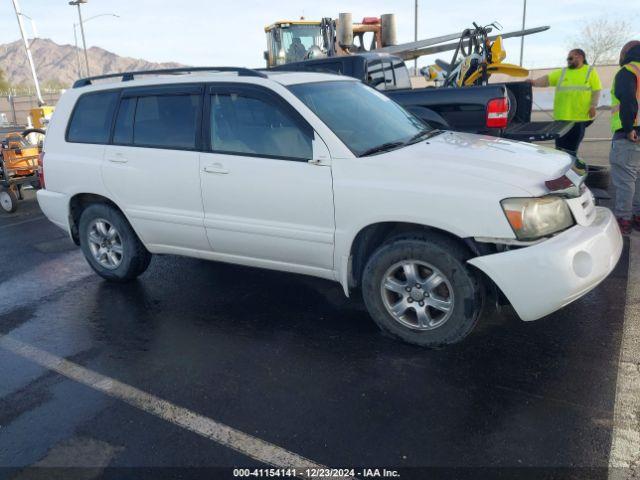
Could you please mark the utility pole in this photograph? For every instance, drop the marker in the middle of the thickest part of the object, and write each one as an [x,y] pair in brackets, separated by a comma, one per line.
[84,42]
[75,39]
[28,50]
[524,17]
[415,34]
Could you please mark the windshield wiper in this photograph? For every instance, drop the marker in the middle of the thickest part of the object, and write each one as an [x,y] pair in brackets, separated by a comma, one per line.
[423,135]
[382,148]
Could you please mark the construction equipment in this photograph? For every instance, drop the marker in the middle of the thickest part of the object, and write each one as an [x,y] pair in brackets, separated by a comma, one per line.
[430,46]
[39,117]
[476,58]
[18,166]
[293,41]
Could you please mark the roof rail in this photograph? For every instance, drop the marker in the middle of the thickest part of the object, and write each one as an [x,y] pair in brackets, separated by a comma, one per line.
[126,76]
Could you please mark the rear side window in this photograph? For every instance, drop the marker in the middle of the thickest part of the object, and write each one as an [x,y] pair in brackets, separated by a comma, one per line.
[401,74]
[167,121]
[375,75]
[92,116]
[388,75]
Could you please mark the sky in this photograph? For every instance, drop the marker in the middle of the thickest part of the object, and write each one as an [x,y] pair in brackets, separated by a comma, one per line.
[231,32]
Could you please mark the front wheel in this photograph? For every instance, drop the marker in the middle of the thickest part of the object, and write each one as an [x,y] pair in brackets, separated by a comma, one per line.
[421,291]
[110,245]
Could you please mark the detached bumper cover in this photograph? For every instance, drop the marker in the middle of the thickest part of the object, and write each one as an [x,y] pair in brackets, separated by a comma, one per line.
[543,278]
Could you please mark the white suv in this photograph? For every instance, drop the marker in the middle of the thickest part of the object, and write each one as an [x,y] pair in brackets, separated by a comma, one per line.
[321,175]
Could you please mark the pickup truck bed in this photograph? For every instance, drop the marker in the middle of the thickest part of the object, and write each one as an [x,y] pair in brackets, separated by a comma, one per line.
[537,131]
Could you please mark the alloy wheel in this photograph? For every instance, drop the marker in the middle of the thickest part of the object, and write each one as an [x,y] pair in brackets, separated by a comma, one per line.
[417,295]
[105,243]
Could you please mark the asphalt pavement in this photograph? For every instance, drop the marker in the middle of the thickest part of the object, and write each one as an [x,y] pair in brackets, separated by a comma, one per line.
[141,380]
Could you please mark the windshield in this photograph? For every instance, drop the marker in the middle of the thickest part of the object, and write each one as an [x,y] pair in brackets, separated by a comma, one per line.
[298,39]
[361,117]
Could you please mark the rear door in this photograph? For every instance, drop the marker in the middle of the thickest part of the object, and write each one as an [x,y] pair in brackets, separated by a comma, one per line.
[266,181]
[151,168]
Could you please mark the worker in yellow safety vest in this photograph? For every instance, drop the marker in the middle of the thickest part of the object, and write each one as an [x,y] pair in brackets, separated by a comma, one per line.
[625,145]
[576,97]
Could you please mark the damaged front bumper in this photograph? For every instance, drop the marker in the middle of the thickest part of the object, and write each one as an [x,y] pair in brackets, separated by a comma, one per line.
[544,277]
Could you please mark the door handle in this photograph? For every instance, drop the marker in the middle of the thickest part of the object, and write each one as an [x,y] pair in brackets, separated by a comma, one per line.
[117,158]
[216,168]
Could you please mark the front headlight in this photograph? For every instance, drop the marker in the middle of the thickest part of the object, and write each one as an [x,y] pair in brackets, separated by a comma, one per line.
[533,218]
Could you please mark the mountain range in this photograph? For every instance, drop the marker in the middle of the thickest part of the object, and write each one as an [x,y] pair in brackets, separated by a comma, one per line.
[58,64]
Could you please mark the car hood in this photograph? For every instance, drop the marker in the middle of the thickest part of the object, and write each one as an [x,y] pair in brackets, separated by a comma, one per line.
[523,165]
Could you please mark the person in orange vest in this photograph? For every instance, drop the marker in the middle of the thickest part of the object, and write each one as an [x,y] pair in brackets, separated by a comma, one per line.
[625,145]
[576,97]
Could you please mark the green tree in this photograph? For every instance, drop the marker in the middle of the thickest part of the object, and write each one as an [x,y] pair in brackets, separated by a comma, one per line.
[5,86]
[54,84]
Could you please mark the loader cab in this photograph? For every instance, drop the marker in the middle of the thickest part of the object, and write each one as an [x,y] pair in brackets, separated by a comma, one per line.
[291,41]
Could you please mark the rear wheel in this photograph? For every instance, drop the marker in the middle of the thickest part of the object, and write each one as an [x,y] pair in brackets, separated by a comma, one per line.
[110,245]
[8,200]
[421,291]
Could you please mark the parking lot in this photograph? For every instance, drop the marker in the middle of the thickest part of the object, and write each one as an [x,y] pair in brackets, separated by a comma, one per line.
[207,367]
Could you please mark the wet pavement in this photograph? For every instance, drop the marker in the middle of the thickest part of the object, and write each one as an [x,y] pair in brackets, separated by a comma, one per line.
[289,360]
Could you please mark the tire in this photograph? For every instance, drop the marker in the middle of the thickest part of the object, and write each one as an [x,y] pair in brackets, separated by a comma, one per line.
[597,177]
[29,131]
[117,257]
[431,255]
[8,200]
[39,131]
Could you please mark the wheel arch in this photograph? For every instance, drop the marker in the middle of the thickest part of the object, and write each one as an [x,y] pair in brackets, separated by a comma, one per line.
[79,202]
[372,236]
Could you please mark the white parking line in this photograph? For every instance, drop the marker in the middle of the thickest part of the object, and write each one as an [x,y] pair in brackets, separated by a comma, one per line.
[624,459]
[248,445]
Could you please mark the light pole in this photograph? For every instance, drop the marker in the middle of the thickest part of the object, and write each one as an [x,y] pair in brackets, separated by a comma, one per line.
[524,17]
[75,37]
[415,34]
[84,42]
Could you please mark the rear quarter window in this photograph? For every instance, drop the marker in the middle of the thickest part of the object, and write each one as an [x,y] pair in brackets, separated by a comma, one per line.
[91,118]
[401,74]
[375,75]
